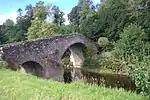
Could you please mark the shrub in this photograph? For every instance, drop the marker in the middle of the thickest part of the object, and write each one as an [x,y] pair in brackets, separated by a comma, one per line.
[90,63]
[112,63]
[141,77]
[131,44]
[105,44]
[103,41]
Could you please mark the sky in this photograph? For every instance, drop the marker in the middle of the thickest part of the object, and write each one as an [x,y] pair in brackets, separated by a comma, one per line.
[8,8]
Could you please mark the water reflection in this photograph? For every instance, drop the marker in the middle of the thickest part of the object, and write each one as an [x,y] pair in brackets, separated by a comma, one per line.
[104,79]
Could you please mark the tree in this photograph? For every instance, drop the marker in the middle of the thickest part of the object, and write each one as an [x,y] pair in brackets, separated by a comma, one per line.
[40,11]
[24,22]
[131,43]
[73,16]
[88,19]
[114,16]
[58,16]
[35,29]
[48,29]
[9,32]
[39,27]
[83,18]
[65,29]
[1,35]
[20,11]
[9,23]
[29,9]
[143,18]
[22,25]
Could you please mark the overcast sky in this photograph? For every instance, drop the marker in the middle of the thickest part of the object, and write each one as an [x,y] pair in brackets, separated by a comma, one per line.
[8,8]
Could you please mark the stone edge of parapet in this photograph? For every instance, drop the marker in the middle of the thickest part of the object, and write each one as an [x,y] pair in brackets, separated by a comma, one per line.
[39,39]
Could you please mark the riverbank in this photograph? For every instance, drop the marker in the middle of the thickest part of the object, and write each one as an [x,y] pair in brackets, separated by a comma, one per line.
[19,86]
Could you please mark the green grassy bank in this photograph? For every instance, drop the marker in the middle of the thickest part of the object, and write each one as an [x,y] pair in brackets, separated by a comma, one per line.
[19,86]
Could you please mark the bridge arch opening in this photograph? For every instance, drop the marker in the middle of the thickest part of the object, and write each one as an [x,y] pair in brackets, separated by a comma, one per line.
[33,68]
[72,62]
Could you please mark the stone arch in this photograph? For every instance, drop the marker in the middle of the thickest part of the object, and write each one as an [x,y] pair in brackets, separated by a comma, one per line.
[33,68]
[76,53]
[76,56]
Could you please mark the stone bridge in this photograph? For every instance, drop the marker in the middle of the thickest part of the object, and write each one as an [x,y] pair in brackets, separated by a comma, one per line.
[43,57]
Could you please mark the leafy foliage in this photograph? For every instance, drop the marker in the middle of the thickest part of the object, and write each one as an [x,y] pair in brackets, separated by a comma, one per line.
[144,16]
[102,41]
[58,16]
[131,46]
[133,49]
[113,20]
[41,25]
[141,76]
[90,63]
[65,29]
[90,60]
[83,18]
[10,32]
[112,63]
[105,45]
[40,29]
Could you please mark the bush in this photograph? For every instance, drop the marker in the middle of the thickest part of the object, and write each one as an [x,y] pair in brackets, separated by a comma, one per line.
[141,77]
[104,43]
[112,63]
[90,63]
[131,44]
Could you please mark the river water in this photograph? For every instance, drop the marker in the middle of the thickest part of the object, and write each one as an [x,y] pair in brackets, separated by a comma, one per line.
[104,79]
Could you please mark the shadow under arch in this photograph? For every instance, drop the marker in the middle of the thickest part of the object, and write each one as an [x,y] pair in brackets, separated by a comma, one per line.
[33,68]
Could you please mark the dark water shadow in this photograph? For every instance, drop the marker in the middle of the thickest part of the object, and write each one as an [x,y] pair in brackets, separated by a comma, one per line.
[103,79]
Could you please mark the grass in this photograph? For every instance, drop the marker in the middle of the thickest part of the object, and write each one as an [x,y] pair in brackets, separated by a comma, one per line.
[19,86]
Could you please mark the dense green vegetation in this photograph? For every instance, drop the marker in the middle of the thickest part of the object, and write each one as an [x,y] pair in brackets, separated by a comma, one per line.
[18,86]
[120,28]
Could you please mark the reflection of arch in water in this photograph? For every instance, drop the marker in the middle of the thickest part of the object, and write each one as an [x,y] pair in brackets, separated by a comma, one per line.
[33,68]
